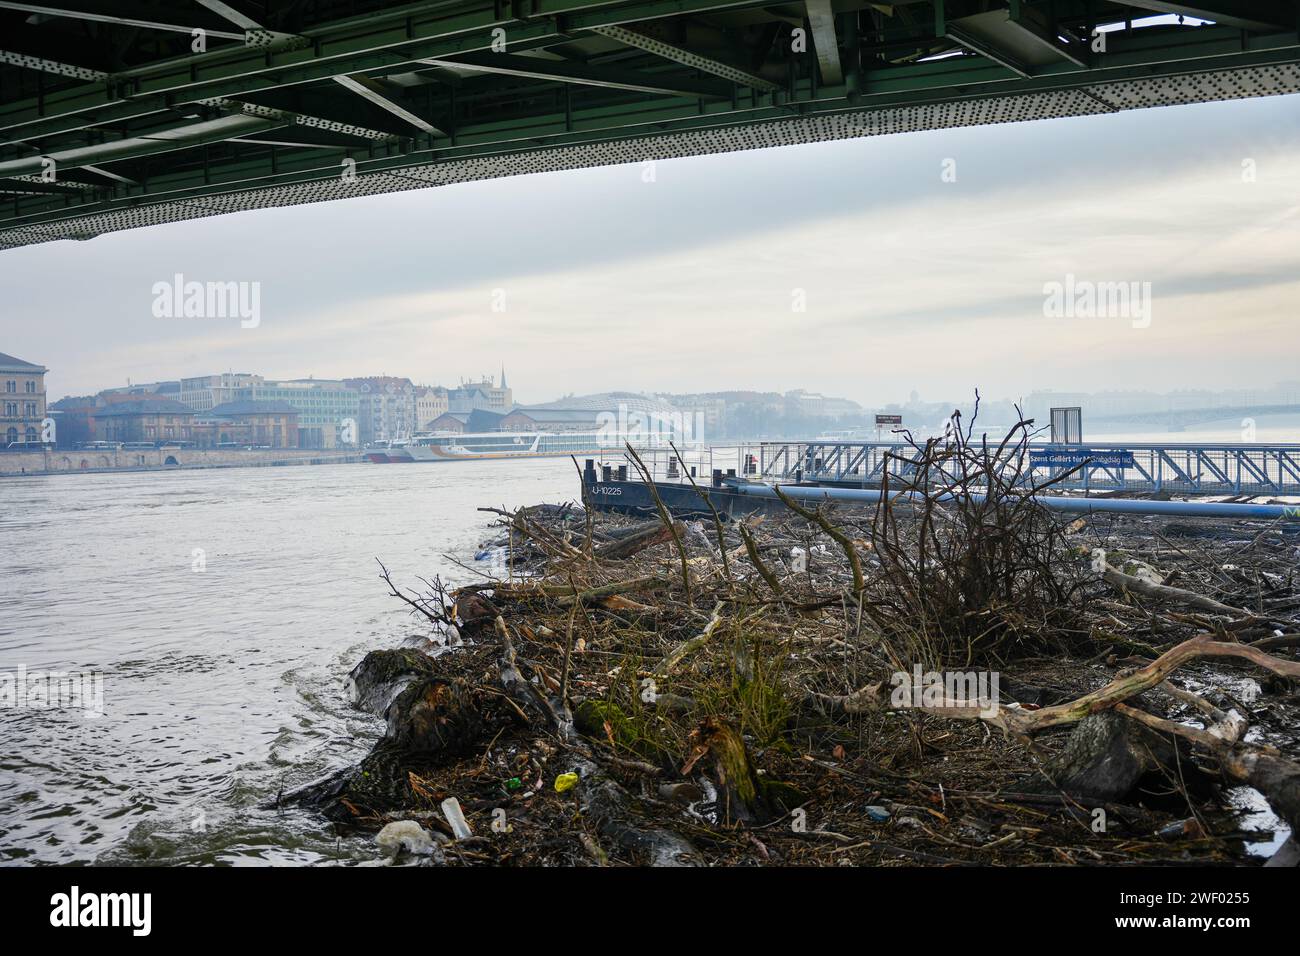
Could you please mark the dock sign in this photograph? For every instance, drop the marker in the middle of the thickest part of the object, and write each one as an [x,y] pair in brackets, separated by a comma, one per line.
[1070,457]
[888,420]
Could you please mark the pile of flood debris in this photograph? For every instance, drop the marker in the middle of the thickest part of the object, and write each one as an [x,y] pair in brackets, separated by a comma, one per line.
[946,678]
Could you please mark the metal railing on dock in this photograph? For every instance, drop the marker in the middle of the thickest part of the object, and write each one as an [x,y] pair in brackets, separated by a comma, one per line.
[1219,469]
[666,464]
[1186,468]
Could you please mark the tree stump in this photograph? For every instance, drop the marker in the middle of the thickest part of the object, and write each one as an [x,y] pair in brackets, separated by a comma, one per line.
[381,676]
[1107,756]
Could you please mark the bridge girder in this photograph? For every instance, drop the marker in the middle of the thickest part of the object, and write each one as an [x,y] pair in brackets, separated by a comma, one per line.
[266,109]
[1242,14]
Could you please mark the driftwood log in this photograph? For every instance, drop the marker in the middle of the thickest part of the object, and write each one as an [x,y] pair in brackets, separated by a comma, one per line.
[1273,775]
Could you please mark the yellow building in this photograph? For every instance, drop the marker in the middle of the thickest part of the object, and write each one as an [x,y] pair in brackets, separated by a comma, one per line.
[261,424]
[22,401]
[429,404]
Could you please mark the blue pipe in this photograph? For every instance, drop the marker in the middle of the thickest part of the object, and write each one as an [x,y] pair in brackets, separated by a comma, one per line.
[1186,509]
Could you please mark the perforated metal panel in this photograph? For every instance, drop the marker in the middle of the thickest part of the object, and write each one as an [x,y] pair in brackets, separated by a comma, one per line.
[1200,87]
[52,66]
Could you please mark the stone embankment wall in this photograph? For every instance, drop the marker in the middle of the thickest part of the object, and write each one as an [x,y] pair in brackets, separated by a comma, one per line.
[61,461]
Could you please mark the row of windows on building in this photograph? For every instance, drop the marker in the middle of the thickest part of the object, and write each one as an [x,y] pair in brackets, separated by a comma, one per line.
[12,435]
[11,387]
[29,409]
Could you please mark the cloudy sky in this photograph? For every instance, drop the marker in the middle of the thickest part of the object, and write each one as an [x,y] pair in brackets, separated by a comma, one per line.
[694,281]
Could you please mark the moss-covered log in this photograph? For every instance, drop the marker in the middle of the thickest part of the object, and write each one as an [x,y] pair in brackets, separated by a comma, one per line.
[381,676]
[721,748]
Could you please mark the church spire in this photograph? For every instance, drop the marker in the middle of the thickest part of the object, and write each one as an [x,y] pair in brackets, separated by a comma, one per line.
[503,375]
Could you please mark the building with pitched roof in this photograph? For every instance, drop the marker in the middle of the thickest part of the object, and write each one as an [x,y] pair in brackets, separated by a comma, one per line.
[272,424]
[144,420]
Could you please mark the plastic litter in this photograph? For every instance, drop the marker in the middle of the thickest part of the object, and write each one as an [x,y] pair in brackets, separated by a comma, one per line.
[405,835]
[456,819]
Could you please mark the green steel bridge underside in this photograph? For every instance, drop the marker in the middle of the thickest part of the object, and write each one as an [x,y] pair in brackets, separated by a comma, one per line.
[115,115]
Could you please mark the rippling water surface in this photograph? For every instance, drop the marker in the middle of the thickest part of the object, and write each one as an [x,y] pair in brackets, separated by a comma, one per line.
[223,685]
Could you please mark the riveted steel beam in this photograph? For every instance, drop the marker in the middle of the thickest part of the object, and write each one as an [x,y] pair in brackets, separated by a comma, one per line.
[370,90]
[163,141]
[677,54]
[563,71]
[121,13]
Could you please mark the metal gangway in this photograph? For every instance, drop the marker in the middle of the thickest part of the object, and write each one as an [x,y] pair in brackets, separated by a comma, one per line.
[1218,469]
[1210,469]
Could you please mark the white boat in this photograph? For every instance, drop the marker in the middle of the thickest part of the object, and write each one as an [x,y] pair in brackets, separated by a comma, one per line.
[488,445]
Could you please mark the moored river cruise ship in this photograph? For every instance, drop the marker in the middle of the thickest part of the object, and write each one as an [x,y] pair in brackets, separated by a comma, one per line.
[489,445]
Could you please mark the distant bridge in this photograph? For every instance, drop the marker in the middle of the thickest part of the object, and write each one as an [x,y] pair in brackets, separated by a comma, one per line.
[1184,417]
[115,115]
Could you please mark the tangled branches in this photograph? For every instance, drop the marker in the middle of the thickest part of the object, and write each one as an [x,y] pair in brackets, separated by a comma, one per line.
[713,686]
[970,566]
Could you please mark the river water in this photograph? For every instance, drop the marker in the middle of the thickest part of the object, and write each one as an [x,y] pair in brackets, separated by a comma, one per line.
[223,609]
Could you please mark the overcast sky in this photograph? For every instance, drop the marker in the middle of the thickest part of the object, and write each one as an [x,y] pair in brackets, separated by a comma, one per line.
[691,282]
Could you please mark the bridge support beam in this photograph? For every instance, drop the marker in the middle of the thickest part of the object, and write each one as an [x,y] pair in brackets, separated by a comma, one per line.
[370,90]
[122,14]
[562,71]
[821,19]
[641,41]
[1243,14]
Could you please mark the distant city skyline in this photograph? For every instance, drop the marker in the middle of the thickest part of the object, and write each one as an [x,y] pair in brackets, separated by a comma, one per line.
[867,275]
[1106,401]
